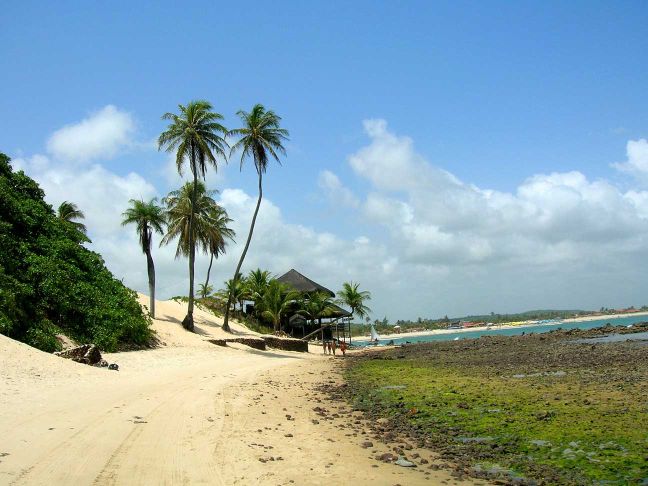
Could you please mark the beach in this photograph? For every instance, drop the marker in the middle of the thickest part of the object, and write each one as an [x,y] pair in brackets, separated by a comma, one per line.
[499,326]
[186,412]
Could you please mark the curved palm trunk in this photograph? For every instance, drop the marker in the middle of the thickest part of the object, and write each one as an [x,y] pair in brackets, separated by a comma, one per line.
[188,322]
[151,280]
[211,260]
[247,245]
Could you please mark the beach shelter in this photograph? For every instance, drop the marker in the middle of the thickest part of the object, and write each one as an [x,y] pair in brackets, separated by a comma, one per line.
[336,321]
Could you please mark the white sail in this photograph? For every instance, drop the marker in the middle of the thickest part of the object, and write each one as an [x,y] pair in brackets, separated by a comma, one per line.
[374,334]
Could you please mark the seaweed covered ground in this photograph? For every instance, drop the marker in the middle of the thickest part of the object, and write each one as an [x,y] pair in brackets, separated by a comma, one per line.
[532,409]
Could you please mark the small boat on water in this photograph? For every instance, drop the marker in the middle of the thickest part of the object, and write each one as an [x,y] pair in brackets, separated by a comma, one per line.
[375,338]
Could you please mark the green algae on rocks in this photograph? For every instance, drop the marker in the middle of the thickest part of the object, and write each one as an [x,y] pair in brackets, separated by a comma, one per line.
[536,409]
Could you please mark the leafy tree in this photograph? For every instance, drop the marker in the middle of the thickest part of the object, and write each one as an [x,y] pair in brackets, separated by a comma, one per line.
[217,235]
[70,213]
[256,285]
[209,221]
[260,138]
[50,283]
[355,299]
[276,299]
[205,290]
[197,137]
[316,305]
[182,211]
[148,218]
[235,287]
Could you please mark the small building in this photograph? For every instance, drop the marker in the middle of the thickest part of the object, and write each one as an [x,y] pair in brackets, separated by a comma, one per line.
[335,324]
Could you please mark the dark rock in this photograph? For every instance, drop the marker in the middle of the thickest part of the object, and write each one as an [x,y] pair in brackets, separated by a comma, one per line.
[113,366]
[255,343]
[86,354]
[286,344]
[387,457]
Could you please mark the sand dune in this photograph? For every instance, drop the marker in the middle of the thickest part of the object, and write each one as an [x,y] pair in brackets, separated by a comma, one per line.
[188,412]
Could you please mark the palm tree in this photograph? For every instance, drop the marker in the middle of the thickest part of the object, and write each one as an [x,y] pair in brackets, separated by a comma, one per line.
[217,235]
[236,289]
[261,138]
[69,212]
[316,305]
[149,218]
[256,285]
[180,211]
[205,290]
[355,299]
[276,299]
[197,137]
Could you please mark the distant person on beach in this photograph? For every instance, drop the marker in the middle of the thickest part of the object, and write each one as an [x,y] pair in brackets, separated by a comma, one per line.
[330,348]
[324,345]
[333,345]
[343,347]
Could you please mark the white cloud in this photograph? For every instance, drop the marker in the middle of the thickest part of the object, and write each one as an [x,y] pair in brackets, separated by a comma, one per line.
[335,190]
[101,194]
[102,135]
[427,244]
[637,163]
[440,220]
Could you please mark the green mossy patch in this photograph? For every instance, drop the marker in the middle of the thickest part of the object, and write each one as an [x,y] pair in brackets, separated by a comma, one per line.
[578,419]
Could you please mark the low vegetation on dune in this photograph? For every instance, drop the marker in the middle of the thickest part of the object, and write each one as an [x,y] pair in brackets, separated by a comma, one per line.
[537,409]
[50,283]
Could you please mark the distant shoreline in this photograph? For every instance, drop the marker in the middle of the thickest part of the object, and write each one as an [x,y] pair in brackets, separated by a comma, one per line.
[434,332]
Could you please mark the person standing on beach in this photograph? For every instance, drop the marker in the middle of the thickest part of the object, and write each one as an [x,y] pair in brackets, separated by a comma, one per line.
[324,345]
[333,345]
[343,347]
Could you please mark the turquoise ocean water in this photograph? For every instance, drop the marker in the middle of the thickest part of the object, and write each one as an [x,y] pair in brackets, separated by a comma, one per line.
[494,331]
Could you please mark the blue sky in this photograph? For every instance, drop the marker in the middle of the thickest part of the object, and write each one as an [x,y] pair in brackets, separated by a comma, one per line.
[494,93]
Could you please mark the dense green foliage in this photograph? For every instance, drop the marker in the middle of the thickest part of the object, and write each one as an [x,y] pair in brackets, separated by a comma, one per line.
[50,283]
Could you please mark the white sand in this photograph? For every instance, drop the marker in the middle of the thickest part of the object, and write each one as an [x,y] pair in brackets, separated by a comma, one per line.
[186,413]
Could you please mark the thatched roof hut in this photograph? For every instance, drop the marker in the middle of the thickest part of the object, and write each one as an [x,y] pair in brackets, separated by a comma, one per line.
[336,312]
[302,283]
[338,318]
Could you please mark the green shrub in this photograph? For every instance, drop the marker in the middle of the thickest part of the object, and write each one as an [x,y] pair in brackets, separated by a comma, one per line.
[50,283]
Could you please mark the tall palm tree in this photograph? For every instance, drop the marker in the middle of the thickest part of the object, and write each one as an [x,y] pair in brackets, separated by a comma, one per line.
[197,137]
[355,299]
[182,211]
[70,212]
[218,235]
[276,299]
[191,223]
[149,218]
[261,139]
